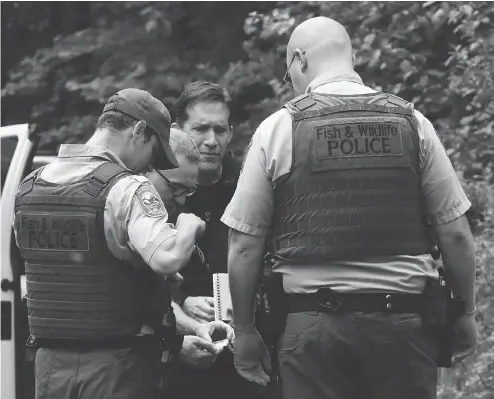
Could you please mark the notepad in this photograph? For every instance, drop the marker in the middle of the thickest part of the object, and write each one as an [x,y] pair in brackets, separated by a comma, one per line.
[223,309]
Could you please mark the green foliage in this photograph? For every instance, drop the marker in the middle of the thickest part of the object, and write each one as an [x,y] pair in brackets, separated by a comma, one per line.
[474,376]
[439,55]
[133,44]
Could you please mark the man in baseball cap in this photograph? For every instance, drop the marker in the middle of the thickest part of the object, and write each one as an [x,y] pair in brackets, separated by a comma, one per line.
[142,106]
[117,256]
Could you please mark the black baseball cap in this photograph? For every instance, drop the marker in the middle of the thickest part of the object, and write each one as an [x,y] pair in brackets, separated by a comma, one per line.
[141,105]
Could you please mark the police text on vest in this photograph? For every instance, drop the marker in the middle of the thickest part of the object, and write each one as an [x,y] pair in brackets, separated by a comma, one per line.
[358,140]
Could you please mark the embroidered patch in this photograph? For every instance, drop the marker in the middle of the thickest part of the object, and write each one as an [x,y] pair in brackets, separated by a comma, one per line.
[150,202]
[362,139]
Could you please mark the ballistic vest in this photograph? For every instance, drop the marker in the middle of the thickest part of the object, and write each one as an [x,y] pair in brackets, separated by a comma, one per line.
[76,288]
[354,187]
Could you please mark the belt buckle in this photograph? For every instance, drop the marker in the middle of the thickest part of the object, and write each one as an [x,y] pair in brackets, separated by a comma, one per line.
[326,298]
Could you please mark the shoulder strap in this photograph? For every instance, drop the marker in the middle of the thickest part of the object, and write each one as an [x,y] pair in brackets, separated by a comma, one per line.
[300,103]
[28,183]
[399,102]
[102,176]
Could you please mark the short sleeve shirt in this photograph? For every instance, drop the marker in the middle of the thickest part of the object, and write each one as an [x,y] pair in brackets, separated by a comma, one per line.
[270,156]
[135,219]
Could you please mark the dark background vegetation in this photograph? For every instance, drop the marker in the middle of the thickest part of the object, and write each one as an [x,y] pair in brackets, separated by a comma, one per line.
[60,61]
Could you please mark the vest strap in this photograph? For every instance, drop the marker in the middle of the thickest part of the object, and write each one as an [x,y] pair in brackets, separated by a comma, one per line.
[400,102]
[300,103]
[60,200]
[350,107]
[101,176]
[28,184]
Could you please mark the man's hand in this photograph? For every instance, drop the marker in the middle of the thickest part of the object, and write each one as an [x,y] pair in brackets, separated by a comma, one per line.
[206,331]
[200,308]
[197,352]
[174,281]
[465,338]
[193,220]
[251,357]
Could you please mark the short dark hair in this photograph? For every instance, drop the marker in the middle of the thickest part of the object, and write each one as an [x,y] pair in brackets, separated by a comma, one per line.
[117,121]
[198,92]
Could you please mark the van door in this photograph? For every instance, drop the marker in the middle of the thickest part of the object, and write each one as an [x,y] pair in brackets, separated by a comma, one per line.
[17,148]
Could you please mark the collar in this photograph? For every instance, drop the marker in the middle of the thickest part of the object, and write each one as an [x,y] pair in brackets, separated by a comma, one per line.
[229,173]
[352,77]
[88,151]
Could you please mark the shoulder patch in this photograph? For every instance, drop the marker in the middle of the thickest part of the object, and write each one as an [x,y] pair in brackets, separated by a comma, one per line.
[150,201]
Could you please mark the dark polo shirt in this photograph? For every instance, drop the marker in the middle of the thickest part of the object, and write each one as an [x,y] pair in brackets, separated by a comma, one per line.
[209,203]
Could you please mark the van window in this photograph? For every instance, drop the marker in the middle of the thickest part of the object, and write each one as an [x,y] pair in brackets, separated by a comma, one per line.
[8,146]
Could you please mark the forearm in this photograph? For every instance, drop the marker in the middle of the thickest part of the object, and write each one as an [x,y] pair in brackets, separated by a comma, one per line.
[245,265]
[173,254]
[185,324]
[458,255]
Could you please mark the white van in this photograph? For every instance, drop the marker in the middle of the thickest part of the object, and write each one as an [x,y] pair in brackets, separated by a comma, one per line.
[18,148]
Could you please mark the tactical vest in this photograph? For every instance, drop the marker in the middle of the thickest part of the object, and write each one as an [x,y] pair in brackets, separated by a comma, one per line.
[354,187]
[76,288]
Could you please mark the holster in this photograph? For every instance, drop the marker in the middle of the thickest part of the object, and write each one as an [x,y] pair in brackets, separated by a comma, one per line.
[31,348]
[170,345]
[271,313]
[440,316]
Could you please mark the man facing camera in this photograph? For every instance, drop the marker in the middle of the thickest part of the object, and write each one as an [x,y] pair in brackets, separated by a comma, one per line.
[202,112]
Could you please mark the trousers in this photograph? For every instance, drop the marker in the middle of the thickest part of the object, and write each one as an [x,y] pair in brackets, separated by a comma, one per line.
[126,373]
[220,381]
[357,355]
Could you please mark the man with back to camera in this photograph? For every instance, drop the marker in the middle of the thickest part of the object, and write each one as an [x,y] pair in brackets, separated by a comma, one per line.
[202,111]
[345,176]
[95,240]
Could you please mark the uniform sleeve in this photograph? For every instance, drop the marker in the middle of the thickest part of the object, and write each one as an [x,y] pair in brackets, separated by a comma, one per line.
[250,210]
[443,196]
[135,220]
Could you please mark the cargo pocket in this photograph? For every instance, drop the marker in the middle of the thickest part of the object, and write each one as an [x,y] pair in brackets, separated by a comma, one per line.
[298,326]
[43,370]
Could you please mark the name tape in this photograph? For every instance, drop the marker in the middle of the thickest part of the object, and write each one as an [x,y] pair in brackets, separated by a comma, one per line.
[54,232]
[346,140]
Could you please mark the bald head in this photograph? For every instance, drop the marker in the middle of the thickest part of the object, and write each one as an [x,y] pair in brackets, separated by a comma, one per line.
[326,47]
[183,146]
[173,185]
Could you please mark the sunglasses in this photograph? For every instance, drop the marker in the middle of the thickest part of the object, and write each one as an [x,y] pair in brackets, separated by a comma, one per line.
[288,78]
[178,189]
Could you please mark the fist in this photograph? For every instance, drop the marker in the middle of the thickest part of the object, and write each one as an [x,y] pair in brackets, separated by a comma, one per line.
[192,220]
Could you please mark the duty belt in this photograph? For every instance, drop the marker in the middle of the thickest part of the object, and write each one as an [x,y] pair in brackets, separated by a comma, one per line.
[327,300]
